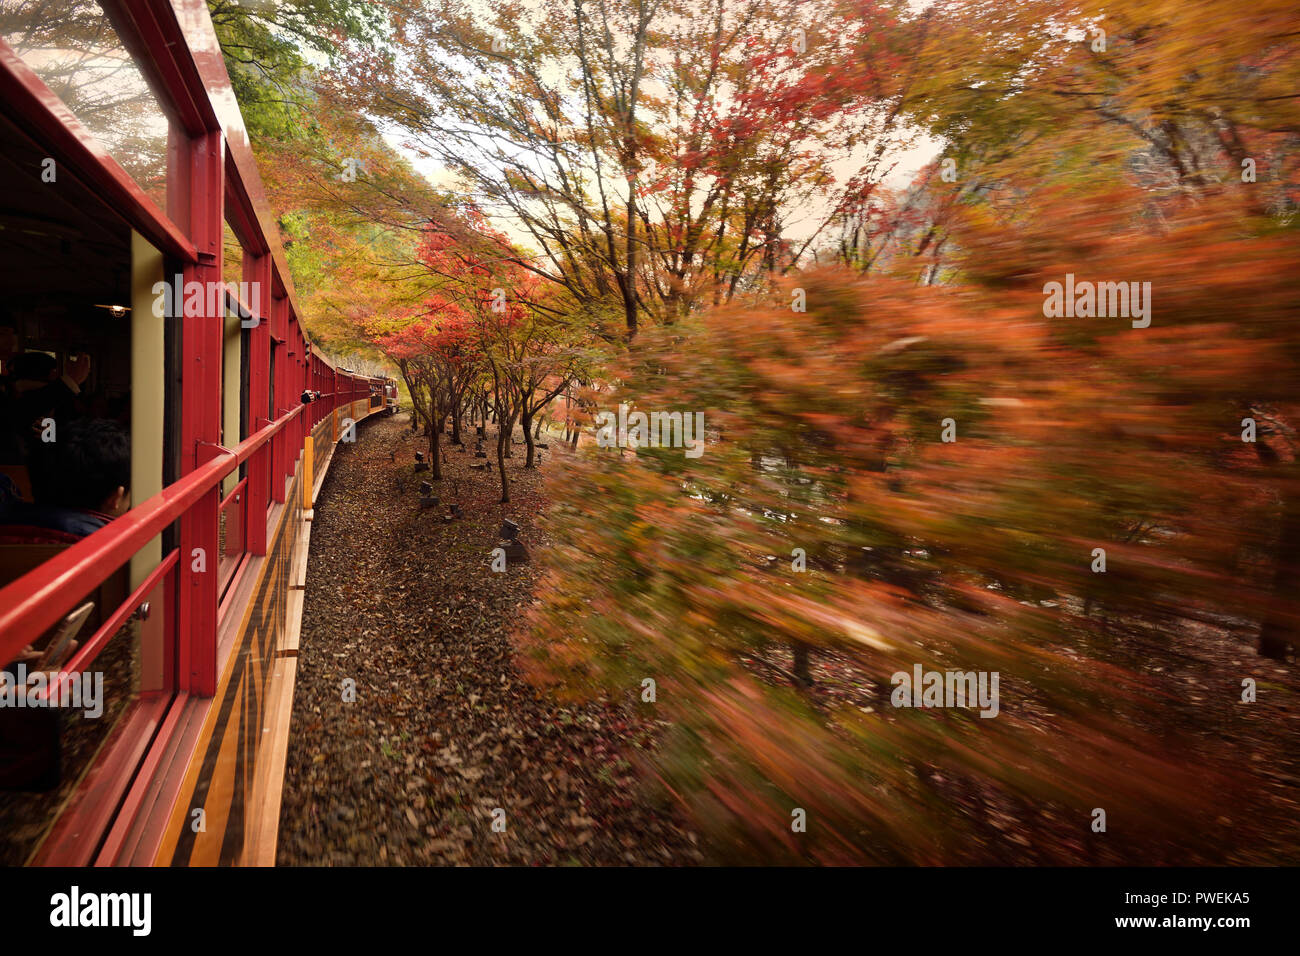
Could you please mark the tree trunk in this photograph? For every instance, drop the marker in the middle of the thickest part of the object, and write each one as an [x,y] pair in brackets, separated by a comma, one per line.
[628,282]
[502,438]
[802,670]
[527,421]
[507,428]
[1281,626]
[435,459]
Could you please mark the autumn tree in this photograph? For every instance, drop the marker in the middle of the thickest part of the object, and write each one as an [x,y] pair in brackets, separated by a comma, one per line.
[436,357]
[528,342]
[629,144]
[1189,123]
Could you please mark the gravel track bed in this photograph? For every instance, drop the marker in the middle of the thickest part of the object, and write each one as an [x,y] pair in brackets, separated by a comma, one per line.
[443,730]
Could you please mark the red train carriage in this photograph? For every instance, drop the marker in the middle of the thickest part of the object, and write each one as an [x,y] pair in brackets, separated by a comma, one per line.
[139,257]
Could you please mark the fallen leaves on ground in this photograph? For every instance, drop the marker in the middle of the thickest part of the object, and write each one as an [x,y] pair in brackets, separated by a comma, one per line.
[444,733]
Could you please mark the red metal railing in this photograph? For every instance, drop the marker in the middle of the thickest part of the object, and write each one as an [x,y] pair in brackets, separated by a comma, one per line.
[39,599]
[90,650]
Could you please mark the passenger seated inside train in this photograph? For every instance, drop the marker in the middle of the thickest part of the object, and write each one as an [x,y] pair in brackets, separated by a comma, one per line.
[80,482]
[33,390]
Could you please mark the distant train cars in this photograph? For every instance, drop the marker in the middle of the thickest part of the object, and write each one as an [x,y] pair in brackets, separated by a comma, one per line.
[172,597]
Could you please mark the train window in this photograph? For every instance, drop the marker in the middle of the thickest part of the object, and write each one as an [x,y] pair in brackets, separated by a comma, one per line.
[75,50]
[270,389]
[80,337]
[244,370]
[71,342]
[234,421]
[232,254]
[65,264]
[231,515]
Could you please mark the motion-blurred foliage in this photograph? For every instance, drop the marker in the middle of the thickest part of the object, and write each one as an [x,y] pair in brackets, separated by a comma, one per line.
[824,433]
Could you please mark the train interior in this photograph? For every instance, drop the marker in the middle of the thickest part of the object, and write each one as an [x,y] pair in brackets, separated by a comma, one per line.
[66,334]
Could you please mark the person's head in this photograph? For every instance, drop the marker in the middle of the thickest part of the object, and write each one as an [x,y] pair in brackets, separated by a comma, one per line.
[32,369]
[87,466]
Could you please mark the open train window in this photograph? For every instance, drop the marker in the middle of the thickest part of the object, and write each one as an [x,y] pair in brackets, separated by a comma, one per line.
[245,426]
[270,391]
[239,305]
[65,319]
[66,435]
